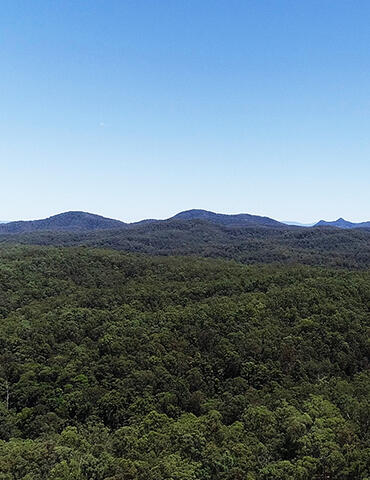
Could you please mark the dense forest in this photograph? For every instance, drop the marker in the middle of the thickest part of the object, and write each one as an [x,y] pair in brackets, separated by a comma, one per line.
[325,246]
[123,366]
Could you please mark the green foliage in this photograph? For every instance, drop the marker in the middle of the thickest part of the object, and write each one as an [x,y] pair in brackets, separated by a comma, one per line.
[122,367]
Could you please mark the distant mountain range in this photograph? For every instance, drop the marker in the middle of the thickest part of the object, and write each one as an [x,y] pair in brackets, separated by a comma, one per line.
[77,221]
[83,221]
[341,223]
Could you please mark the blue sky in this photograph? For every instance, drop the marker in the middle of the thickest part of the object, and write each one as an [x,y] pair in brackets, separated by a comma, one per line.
[135,109]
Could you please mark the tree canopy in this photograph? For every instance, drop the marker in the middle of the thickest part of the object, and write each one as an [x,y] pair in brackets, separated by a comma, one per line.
[128,367]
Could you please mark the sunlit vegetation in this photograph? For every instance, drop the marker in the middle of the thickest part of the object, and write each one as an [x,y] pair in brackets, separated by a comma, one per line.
[117,366]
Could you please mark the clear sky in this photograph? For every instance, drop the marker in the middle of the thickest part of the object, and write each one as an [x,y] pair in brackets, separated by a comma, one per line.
[141,108]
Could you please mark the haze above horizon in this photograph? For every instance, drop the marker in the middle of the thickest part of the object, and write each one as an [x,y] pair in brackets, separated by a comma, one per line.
[143,109]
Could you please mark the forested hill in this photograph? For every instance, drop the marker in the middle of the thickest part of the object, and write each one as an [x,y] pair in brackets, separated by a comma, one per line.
[116,366]
[68,221]
[253,244]
[241,219]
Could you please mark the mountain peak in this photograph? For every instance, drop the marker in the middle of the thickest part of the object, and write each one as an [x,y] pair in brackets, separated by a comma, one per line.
[240,219]
[342,223]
